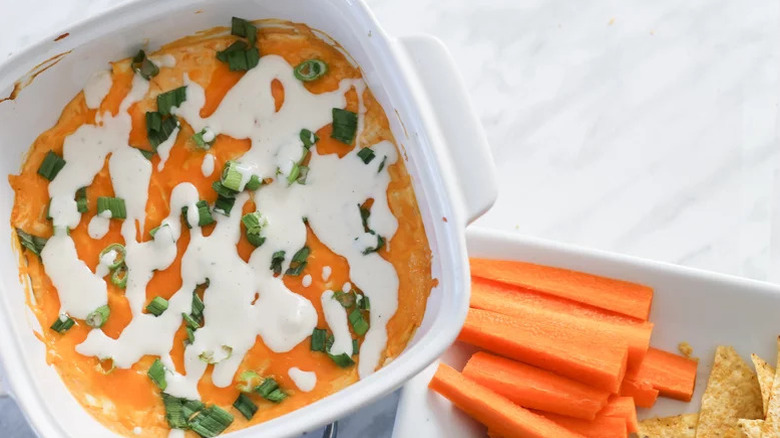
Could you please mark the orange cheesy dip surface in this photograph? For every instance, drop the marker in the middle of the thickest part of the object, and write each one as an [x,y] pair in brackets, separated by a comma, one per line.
[219,233]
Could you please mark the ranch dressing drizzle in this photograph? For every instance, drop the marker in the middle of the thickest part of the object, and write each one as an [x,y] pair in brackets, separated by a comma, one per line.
[207,167]
[282,318]
[97,88]
[304,380]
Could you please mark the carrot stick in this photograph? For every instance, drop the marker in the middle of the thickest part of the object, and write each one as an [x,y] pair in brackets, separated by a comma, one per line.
[672,375]
[616,295]
[622,407]
[644,394]
[494,411]
[553,341]
[601,427]
[509,300]
[534,388]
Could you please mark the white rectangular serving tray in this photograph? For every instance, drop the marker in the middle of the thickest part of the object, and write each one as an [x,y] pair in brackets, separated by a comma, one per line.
[702,308]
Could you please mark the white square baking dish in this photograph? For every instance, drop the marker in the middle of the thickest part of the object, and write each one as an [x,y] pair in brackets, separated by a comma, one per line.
[414,79]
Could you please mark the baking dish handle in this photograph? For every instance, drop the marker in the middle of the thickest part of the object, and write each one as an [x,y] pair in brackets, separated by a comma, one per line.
[465,144]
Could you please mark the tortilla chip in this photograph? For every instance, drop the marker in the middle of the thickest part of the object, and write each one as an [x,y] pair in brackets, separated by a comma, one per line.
[750,428]
[771,427]
[681,426]
[732,393]
[766,376]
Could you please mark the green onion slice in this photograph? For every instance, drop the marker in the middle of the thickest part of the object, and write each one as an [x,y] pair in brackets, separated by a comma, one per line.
[204,214]
[119,276]
[239,56]
[308,138]
[197,308]
[190,321]
[270,390]
[318,337]
[178,411]
[358,323]
[344,125]
[170,99]
[97,318]
[346,299]
[51,165]
[153,231]
[222,190]
[243,28]
[158,129]
[115,205]
[81,200]
[62,324]
[254,183]
[248,381]
[254,224]
[303,173]
[380,242]
[157,306]
[211,421]
[355,347]
[364,303]
[366,154]
[119,255]
[143,66]
[276,262]
[204,139]
[382,164]
[190,335]
[224,205]
[232,177]
[310,70]
[298,261]
[157,374]
[343,360]
[245,405]
[365,213]
[33,243]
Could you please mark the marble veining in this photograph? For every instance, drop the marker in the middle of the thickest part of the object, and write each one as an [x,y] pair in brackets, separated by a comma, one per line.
[646,128]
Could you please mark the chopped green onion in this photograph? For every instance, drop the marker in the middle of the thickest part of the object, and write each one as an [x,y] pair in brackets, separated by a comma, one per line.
[153,231]
[318,337]
[190,321]
[382,164]
[303,173]
[208,356]
[191,407]
[204,214]
[358,323]
[344,125]
[157,306]
[276,262]
[310,70]
[270,390]
[343,360]
[380,242]
[190,335]
[143,66]
[245,405]
[157,374]
[115,205]
[222,190]
[51,165]
[170,99]
[120,252]
[119,276]
[33,243]
[248,380]
[365,213]
[254,224]
[239,56]
[243,28]
[366,154]
[293,173]
[308,138]
[174,411]
[197,308]
[224,205]
[184,211]
[231,176]
[99,317]
[146,153]
[211,421]
[298,261]
[63,323]
[81,200]
[355,347]
[254,183]
[158,129]
[346,299]
[364,303]
[204,139]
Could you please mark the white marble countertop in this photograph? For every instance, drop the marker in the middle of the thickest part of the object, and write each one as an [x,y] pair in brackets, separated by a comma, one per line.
[646,128]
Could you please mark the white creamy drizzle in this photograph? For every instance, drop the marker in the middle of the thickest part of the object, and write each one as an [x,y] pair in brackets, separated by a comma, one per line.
[346,287]
[164,149]
[306,282]
[304,380]
[161,61]
[336,317]
[97,88]
[282,318]
[176,433]
[99,224]
[326,270]
[207,167]
[107,260]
